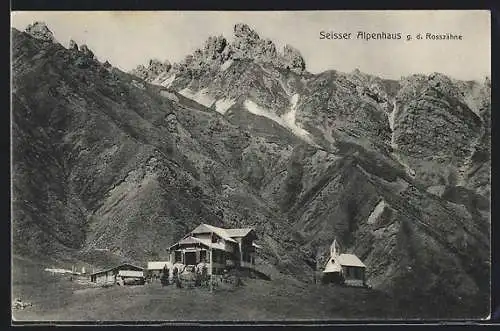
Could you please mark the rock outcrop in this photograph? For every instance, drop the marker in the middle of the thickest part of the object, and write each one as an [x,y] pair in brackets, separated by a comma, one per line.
[247,45]
[73,45]
[40,31]
[215,50]
[293,59]
[153,70]
[434,130]
[86,52]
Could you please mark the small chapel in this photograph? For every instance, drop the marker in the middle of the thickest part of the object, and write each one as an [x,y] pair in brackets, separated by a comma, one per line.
[344,269]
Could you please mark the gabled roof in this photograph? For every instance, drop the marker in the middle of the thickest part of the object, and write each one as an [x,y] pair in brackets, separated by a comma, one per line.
[116,267]
[350,260]
[335,263]
[205,242]
[238,232]
[205,228]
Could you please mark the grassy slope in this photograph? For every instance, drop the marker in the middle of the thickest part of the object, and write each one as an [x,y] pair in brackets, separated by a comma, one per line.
[55,298]
[256,300]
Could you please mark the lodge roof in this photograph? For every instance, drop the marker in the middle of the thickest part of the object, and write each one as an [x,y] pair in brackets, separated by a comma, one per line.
[236,233]
[226,234]
[205,242]
[189,240]
[206,228]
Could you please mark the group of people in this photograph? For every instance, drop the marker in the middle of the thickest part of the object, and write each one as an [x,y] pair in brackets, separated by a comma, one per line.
[179,273]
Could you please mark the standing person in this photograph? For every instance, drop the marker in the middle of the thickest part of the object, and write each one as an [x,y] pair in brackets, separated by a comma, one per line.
[164,276]
[204,275]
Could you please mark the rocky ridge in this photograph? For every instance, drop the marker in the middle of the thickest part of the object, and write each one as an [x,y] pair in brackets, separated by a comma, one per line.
[40,31]
[247,44]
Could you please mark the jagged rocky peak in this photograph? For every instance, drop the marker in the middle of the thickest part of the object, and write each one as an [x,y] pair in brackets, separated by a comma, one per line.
[155,67]
[86,51]
[293,59]
[73,45]
[217,50]
[438,78]
[243,31]
[85,57]
[214,52]
[39,30]
[214,47]
[248,44]
[487,81]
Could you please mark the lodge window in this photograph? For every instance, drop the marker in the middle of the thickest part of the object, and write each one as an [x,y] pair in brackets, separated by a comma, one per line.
[216,256]
[203,256]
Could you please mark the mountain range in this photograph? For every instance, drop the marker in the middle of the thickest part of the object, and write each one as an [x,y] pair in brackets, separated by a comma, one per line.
[240,134]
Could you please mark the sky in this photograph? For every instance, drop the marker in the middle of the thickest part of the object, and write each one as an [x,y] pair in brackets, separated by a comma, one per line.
[129,38]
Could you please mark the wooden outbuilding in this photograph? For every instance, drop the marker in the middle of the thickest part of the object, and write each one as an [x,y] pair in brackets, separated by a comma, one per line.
[111,276]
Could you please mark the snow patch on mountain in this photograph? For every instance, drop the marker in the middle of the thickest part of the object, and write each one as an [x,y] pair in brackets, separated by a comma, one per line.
[287,120]
[160,78]
[202,96]
[222,105]
[255,109]
[392,116]
[295,100]
[167,82]
[377,211]
[409,171]
[394,146]
[226,65]
[138,85]
[290,119]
